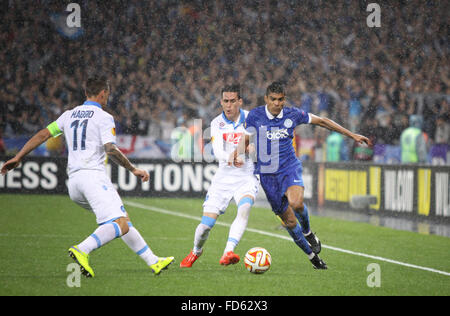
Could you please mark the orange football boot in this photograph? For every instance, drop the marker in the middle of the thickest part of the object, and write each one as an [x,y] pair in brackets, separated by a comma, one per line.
[229,258]
[189,260]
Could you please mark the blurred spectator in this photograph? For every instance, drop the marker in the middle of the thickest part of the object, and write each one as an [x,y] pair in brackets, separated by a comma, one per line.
[384,132]
[413,142]
[337,148]
[370,130]
[182,142]
[2,144]
[442,135]
[55,146]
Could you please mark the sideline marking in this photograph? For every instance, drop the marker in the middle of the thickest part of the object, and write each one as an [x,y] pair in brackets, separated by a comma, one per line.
[262,232]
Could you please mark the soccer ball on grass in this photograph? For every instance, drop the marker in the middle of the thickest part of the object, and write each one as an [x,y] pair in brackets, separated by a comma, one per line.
[257,260]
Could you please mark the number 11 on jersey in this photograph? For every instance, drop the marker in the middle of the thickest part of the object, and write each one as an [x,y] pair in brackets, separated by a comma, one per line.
[83,125]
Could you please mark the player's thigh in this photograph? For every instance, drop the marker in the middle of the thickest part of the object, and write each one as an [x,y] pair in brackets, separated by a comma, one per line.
[76,194]
[103,198]
[274,193]
[218,198]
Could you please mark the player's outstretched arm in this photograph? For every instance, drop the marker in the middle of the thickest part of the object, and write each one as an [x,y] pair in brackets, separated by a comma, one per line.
[40,137]
[119,158]
[333,126]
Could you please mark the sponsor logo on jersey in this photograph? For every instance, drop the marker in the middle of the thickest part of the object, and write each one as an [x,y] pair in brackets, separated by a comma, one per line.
[232,137]
[281,133]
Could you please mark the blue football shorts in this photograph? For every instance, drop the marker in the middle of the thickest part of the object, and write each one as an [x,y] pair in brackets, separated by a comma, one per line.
[275,186]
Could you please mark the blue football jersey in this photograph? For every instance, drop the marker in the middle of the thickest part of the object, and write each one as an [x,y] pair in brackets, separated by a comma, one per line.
[274,138]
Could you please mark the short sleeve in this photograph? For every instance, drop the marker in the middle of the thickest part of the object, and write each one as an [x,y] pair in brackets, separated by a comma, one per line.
[57,127]
[54,129]
[108,130]
[217,142]
[250,124]
[302,117]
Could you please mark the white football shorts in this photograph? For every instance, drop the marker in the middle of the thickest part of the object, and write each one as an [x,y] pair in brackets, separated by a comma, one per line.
[94,191]
[225,188]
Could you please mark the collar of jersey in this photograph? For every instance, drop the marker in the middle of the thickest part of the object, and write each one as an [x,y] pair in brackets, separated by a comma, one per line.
[271,117]
[92,103]
[241,119]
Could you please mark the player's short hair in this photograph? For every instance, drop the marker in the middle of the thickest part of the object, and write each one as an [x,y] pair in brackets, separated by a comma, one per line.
[95,84]
[232,88]
[275,87]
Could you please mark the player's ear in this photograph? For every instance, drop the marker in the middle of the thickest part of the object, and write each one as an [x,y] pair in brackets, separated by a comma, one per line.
[103,94]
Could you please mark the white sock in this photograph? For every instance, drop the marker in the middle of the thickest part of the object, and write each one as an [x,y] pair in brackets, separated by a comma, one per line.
[101,236]
[201,235]
[239,225]
[134,240]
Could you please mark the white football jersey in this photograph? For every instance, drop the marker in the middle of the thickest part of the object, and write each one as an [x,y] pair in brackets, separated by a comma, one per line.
[87,128]
[225,136]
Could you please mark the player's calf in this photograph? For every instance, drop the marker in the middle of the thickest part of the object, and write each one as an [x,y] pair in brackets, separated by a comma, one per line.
[314,242]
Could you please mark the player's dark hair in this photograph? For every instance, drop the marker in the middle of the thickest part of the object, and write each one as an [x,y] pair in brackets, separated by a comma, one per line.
[275,87]
[232,88]
[95,85]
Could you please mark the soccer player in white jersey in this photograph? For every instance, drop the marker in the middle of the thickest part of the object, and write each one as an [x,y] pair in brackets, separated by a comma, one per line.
[90,136]
[229,182]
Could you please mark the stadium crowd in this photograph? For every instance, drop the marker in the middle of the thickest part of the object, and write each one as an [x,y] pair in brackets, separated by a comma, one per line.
[167,61]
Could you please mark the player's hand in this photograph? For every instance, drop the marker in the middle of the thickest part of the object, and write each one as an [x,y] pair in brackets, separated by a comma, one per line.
[10,164]
[250,149]
[232,157]
[238,162]
[141,174]
[234,160]
[361,139]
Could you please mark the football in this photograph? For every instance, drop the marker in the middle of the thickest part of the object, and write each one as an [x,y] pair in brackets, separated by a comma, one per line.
[257,260]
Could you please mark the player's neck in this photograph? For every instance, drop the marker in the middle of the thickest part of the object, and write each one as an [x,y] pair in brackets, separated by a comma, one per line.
[93,99]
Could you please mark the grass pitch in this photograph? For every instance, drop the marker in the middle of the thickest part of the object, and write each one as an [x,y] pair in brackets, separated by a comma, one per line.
[37,230]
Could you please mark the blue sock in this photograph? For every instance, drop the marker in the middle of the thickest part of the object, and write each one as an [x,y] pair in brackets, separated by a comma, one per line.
[303,218]
[297,235]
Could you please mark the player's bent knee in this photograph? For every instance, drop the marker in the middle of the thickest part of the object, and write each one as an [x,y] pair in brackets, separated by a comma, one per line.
[123,224]
[208,221]
[297,206]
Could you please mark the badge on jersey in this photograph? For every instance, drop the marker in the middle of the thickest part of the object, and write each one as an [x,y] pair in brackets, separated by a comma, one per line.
[113,131]
[288,123]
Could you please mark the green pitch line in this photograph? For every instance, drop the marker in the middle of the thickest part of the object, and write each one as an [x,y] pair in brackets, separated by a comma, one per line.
[197,218]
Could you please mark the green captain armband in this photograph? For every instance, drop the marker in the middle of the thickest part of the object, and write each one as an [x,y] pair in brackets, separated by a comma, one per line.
[54,129]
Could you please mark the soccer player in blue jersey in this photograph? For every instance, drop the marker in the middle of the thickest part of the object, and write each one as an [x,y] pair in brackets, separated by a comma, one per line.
[271,128]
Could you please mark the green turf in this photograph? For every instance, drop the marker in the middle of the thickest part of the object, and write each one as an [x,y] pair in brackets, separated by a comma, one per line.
[37,230]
